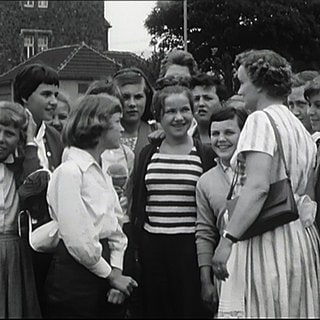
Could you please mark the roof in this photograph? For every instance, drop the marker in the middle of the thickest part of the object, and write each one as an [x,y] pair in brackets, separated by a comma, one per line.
[124,57]
[73,62]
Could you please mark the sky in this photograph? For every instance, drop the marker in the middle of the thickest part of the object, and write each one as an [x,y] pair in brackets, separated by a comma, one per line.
[127,20]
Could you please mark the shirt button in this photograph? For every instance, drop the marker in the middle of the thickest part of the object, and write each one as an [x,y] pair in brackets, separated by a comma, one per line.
[49,154]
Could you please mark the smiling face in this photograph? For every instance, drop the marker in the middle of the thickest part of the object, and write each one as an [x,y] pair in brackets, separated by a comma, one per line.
[248,91]
[134,98]
[206,102]
[176,116]
[224,138]
[42,102]
[9,139]
[60,115]
[314,112]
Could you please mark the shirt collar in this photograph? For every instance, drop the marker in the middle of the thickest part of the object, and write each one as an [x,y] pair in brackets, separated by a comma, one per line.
[224,167]
[41,132]
[83,158]
[9,159]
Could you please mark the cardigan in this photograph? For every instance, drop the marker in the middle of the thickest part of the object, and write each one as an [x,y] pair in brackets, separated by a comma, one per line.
[206,155]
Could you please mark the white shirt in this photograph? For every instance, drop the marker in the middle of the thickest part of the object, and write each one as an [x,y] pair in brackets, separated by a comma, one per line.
[42,153]
[83,202]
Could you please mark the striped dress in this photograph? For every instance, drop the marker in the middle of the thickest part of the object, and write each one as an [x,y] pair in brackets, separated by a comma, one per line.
[276,274]
[171,181]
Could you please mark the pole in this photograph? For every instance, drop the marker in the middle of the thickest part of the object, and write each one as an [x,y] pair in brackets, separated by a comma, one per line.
[185,25]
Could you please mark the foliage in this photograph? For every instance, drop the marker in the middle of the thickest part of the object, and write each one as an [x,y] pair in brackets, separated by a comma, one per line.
[220,29]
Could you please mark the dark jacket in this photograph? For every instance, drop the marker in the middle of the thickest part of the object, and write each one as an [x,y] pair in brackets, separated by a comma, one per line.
[206,155]
[54,147]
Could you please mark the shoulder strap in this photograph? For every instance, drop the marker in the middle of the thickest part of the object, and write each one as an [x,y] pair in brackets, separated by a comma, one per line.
[278,139]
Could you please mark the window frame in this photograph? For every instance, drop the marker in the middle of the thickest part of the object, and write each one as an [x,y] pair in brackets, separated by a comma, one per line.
[43,4]
[28,47]
[28,4]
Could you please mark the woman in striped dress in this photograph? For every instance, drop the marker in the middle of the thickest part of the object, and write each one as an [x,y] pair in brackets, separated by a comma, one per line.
[164,209]
[275,274]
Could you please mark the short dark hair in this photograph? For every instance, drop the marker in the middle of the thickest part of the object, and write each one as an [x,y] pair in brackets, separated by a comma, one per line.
[312,89]
[30,77]
[89,119]
[206,80]
[135,75]
[301,78]
[228,113]
[161,95]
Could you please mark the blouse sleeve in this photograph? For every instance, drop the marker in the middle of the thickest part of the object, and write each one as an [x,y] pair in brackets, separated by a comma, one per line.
[75,226]
[256,135]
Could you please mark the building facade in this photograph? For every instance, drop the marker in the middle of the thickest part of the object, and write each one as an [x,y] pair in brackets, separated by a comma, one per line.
[29,27]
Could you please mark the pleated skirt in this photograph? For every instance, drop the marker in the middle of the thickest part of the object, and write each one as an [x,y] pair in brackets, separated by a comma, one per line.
[274,275]
[18,296]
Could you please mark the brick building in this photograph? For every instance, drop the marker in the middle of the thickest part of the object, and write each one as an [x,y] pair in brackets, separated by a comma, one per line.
[29,27]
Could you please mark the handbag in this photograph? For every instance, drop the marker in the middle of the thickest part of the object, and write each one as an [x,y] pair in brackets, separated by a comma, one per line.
[34,221]
[278,209]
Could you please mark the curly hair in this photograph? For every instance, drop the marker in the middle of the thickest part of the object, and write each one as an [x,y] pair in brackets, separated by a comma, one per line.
[89,119]
[160,96]
[268,70]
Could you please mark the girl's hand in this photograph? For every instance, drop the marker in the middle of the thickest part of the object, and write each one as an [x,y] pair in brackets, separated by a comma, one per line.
[124,284]
[115,296]
[32,127]
[220,259]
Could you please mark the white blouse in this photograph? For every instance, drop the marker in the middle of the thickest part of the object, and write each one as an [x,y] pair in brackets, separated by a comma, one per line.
[83,202]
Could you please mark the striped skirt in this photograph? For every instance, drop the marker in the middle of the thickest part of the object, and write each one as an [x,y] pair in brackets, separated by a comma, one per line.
[18,297]
[274,275]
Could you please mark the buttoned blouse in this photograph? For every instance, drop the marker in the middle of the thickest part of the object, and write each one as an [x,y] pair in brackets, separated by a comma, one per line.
[84,203]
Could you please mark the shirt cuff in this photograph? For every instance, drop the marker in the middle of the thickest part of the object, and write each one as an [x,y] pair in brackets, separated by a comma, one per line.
[116,259]
[102,269]
[204,259]
[31,143]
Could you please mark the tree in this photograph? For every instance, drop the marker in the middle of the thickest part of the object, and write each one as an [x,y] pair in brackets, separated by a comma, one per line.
[220,29]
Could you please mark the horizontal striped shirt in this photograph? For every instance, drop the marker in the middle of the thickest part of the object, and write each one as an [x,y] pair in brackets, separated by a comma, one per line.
[298,145]
[171,182]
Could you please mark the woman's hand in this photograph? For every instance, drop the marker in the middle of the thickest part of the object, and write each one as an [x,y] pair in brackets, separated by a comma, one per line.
[124,284]
[115,296]
[220,259]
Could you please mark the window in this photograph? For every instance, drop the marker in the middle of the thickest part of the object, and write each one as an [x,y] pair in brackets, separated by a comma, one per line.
[42,4]
[29,4]
[43,42]
[28,46]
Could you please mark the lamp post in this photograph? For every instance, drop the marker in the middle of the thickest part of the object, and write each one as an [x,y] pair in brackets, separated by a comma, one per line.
[185,25]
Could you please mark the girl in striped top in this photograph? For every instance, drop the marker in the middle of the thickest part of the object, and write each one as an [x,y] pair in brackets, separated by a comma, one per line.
[274,274]
[165,209]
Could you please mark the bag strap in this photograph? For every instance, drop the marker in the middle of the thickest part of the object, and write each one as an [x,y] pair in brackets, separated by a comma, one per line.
[279,142]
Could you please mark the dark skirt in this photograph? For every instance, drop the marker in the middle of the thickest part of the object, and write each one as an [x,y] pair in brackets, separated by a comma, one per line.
[72,291]
[18,296]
